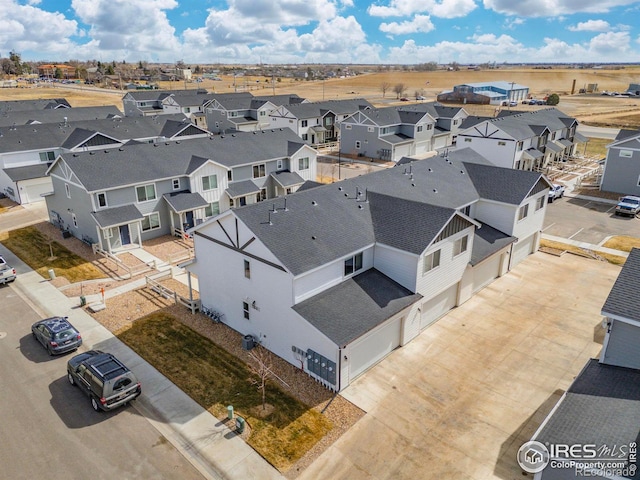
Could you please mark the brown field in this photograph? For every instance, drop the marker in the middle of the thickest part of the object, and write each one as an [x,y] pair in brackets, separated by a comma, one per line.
[592,109]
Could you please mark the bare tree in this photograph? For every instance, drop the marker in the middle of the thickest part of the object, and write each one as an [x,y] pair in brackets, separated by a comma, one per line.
[384,86]
[263,368]
[399,89]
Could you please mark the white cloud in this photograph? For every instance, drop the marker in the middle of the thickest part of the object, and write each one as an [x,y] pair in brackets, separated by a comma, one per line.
[590,26]
[420,23]
[552,8]
[512,23]
[436,8]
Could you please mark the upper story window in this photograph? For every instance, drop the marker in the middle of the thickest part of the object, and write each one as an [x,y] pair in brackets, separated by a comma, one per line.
[209,182]
[303,163]
[212,209]
[328,121]
[431,261]
[279,164]
[419,128]
[175,183]
[502,144]
[233,114]
[146,193]
[353,264]
[47,156]
[519,145]
[385,130]
[430,126]
[230,175]
[262,113]
[247,269]
[523,212]
[187,109]
[259,171]
[455,122]
[467,139]
[347,126]
[304,123]
[67,190]
[540,203]
[626,153]
[305,137]
[460,245]
[102,200]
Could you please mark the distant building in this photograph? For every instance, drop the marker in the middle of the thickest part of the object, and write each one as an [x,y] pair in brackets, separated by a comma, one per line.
[491,93]
[49,70]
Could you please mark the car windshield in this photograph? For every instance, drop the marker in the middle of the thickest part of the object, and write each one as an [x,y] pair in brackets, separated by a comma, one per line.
[633,201]
[64,334]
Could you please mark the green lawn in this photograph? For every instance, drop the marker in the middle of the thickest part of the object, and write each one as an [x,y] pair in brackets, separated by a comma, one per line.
[215,379]
[34,249]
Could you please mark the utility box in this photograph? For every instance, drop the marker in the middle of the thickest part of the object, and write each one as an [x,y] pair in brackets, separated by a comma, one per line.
[52,274]
[230,412]
[247,342]
[240,425]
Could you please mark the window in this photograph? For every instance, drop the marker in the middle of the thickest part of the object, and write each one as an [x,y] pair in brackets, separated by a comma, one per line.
[385,130]
[259,171]
[146,193]
[288,190]
[369,129]
[102,200]
[187,109]
[230,175]
[540,203]
[328,121]
[419,128]
[74,220]
[467,139]
[176,183]
[430,126]
[455,122]
[262,113]
[303,163]
[626,153]
[347,127]
[305,137]
[303,123]
[262,196]
[358,144]
[523,212]
[242,201]
[460,245]
[212,209]
[47,156]
[245,309]
[639,181]
[233,114]
[353,264]
[432,261]
[231,203]
[519,146]
[502,144]
[247,269]
[151,222]
[279,164]
[210,182]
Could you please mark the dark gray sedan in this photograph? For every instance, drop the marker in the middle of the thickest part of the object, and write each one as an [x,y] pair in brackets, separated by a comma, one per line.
[57,335]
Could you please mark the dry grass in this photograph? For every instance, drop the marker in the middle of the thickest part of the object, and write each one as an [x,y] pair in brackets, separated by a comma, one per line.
[623,243]
[566,247]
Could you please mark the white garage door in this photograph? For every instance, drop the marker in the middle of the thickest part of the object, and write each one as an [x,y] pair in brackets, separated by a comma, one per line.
[377,344]
[485,272]
[31,190]
[522,249]
[439,142]
[402,151]
[435,308]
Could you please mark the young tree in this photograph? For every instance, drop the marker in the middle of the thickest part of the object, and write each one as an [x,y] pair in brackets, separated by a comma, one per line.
[399,89]
[263,368]
[384,86]
[553,99]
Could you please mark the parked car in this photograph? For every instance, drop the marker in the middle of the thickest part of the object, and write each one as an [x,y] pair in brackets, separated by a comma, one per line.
[420,97]
[628,205]
[57,335]
[7,273]
[404,99]
[556,191]
[104,379]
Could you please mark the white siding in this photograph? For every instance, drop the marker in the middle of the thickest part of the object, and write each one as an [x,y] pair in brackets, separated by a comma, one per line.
[533,222]
[398,265]
[311,172]
[499,215]
[502,156]
[621,346]
[209,169]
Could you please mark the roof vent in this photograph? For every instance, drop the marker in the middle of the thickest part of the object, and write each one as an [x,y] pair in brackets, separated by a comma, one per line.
[360,207]
[435,191]
[462,172]
[340,188]
[313,237]
[121,149]
[413,184]
[314,203]
[430,169]
[178,141]
[92,153]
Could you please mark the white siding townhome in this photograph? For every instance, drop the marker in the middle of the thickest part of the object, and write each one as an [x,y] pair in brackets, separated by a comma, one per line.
[622,166]
[335,277]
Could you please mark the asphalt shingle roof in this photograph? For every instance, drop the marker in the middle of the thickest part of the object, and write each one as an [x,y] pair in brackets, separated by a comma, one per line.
[488,241]
[13,106]
[110,217]
[26,173]
[286,178]
[318,109]
[504,185]
[58,115]
[377,298]
[183,201]
[240,189]
[525,125]
[620,303]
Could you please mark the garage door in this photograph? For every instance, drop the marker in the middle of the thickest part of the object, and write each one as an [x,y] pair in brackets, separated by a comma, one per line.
[439,142]
[622,348]
[522,250]
[485,272]
[402,151]
[435,308]
[31,190]
[370,349]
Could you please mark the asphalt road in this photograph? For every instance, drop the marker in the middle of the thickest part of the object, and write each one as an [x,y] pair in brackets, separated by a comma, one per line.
[598,132]
[48,428]
[587,221]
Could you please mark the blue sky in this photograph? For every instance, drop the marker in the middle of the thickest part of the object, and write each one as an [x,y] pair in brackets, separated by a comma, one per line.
[322,31]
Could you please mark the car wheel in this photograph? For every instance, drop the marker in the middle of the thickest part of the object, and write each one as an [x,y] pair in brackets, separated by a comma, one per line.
[94,404]
[70,378]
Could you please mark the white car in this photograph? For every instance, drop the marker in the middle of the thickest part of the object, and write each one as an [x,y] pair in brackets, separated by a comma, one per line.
[556,191]
[7,273]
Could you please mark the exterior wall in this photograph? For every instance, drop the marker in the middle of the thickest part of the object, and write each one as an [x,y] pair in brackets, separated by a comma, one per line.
[278,121]
[269,287]
[499,215]
[499,155]
[534,220]
[622,174]
[67,207]
[309,173]
[130,107]
[398,265]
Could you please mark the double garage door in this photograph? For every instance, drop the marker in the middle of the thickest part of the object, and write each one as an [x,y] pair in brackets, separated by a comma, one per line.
[370,349]
[31,190]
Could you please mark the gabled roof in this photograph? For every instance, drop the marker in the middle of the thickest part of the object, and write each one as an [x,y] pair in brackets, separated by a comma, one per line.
[82,136]
[487,241]
[285,99]
[28,172]
[377,297]
[504,185]
[620,303]
[111,217]
[242,188]
[395,116]
[319,109]
[285,178]
[182,128]
[158,95]
[12,106]
[60,115]
[183,201]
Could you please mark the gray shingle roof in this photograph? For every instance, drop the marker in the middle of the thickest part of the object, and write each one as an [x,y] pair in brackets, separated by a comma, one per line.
[75,114]
[183,201]
[111,217]
[504,185]
[318,109]
[286,178]
[12,106]
[240,189]
[17,174]
[488,241]
[620,303]
[525,125]
[347,311]
[138,163]
[601,407]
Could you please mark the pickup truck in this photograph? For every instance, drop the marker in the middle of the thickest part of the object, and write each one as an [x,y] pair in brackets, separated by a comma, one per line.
[7,274]
[628,205]
[557,191]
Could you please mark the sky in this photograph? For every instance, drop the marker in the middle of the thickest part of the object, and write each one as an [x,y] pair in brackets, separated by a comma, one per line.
[322,31]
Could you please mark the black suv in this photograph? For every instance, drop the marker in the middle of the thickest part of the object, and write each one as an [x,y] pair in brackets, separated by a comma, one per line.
[106,380]
[56,334]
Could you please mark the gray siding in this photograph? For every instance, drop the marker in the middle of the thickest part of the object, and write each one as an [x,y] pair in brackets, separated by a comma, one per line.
[622,348]
[622,174]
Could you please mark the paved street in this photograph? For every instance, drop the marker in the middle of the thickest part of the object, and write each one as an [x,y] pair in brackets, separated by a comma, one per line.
[459,400]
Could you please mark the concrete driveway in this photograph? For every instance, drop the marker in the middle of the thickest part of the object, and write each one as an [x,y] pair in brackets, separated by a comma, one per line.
[459,400]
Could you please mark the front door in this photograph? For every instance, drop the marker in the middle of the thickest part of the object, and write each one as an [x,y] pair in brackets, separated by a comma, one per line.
[189,218]
[125,237]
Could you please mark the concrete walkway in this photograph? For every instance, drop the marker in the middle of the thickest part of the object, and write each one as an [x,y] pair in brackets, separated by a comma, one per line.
[210,446]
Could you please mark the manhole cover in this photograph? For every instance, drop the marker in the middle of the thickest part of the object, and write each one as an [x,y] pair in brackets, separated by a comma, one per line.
[2,335]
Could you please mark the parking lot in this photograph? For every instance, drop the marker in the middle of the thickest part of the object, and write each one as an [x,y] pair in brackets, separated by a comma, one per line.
[587,221]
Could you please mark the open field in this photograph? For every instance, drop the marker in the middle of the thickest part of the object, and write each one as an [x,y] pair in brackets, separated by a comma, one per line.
[592,109]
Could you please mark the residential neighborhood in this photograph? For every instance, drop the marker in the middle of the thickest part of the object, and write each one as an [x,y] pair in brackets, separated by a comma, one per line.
[413,296]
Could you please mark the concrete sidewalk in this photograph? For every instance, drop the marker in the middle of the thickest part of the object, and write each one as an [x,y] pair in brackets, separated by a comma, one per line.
[210,446]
